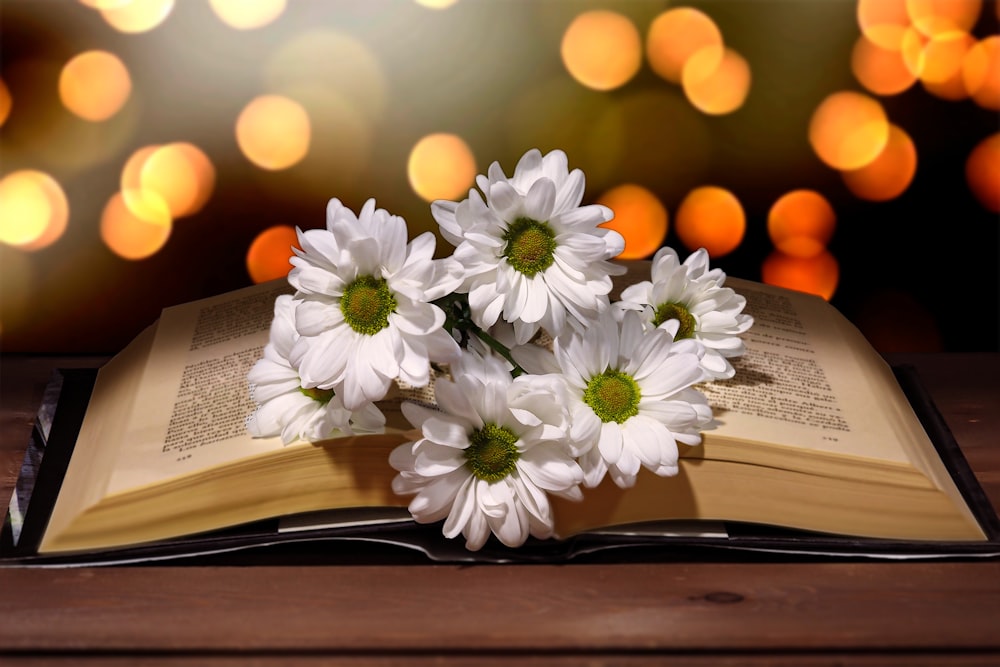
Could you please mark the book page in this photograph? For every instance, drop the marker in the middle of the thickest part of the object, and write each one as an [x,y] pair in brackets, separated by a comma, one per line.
[190,410]
[800,383]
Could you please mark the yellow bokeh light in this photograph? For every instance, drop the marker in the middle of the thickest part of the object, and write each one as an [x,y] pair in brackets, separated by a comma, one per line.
[911,49]
[941,63]
[889,174]
[441,166]
[716,81]
[818,274]
[640,218]
[58,212]
[801,223]
[147,205]
[982,172]
[712,218]
[132,170]
[436,4]
[269,252]
[881,71]
[94,85]
[273,132]
[6,102]
[848,130]
[602,49]
[128,235]
[981,72]
[104,4]
[33,209]
[941,17]
[247,14]
[676,35]
[137,16]
[883,22]
[181,174]
[330,62]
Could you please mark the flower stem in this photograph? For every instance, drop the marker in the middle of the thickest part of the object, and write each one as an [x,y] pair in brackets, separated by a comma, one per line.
[458,317]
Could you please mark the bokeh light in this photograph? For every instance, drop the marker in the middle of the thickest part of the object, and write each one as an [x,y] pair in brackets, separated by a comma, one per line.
[269,252]
[330,62]
[94,85]
[941,17]
[273,132]
[104,4]
[942,57]
[881,71]
[602,49]
[127,235]
[34,209]
[883,22]
[147,205]
[848,130]
[247,14]
[137,16]
[441,166]
[818,274]
[181,174]
[712,218]
[982,172]
[436,4]
[6,102]
[676,35]
[640,217]
[981,72]
[716,81]
[801,223]
[888,175]
[941,65]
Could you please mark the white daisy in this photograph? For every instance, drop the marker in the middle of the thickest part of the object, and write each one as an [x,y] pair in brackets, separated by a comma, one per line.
[365,316]
[630,396]
[693,297]
[531,253]
[284,406]
[490,456]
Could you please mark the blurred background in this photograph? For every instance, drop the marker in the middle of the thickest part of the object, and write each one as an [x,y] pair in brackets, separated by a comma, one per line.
[157,151]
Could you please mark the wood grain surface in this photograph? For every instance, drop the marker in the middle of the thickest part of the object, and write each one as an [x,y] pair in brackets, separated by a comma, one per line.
[694,613]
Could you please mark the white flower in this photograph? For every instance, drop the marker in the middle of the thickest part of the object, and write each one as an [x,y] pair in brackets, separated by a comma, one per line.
[365,317]
[488,458]
[692,296]
[287,409]
[630,396]
[531,253]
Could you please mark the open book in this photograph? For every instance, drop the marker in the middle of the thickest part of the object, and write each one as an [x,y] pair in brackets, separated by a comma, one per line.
[814,433]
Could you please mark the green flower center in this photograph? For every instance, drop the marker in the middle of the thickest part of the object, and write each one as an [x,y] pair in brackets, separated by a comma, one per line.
[366,304]
[530,245]
[672,310]
[317,394]
[613,396]
[492,453]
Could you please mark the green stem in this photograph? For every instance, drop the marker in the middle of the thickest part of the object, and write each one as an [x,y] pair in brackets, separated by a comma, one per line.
[459,317]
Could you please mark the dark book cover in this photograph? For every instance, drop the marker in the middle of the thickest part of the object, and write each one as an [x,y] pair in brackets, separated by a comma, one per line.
[396,539]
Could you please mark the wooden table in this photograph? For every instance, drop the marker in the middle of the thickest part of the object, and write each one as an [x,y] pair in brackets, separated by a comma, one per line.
[684,613]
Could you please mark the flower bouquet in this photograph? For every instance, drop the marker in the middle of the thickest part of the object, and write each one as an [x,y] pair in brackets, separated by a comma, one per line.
[535,382]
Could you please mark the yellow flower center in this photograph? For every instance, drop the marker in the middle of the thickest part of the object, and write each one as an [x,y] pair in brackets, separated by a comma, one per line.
[317,394]
[673,310]
[367,304]
[613,396]
[492,453]
[530,245]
